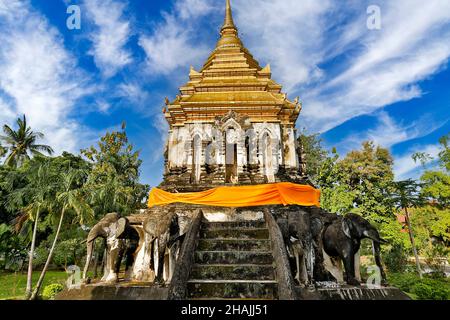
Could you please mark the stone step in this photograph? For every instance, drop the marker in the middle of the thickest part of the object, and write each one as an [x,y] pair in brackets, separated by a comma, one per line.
[229,289]
[230,233]
[234,225]
[233,272]
[233,257]
[233,245]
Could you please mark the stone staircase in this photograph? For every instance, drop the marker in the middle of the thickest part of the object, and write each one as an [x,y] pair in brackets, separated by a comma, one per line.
[233,260]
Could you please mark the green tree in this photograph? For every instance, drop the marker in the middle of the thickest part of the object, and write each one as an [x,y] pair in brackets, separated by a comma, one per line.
[336,196]
[444,154]
[368,173]
[359,182]
[22,143]
[314,154]
[69,197]
[2,151]
[432,220]
[39,193]
[113,182]
[406,195]
[437,182]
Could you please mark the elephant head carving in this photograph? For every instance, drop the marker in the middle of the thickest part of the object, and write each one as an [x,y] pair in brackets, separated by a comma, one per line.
[295,229]
[342,241]
[111,228]
[356,227]
[162,234]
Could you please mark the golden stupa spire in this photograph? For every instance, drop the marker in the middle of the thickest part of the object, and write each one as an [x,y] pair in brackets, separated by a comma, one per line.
[229,23]
[229,32]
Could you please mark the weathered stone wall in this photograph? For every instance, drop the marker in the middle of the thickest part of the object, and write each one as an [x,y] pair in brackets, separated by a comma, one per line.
[196,152]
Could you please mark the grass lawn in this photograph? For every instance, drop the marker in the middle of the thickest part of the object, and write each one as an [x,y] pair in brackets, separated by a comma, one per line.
[12,285]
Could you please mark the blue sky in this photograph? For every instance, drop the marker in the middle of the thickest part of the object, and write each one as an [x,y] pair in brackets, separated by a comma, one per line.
[389,85]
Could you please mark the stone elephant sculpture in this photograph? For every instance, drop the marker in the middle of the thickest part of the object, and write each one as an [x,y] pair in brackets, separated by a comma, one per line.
[342,240]
[162,240]
[119,238]
[300,246]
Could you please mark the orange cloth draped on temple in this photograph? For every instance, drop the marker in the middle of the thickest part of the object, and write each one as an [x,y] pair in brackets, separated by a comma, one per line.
[284,193]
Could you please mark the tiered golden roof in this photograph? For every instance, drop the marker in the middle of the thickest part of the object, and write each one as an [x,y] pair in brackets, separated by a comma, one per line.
[231,79]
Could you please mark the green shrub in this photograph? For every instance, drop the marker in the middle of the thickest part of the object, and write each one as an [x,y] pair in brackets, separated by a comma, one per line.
[424,289]
[396,259]
[50,291]
[429,289]
[40,255]
[403,281]
[69,252]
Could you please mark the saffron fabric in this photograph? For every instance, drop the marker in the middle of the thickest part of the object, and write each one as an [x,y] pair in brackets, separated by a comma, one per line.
[284,193]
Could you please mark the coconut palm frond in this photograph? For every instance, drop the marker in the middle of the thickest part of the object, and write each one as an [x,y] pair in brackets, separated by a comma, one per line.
[22,141]
[40,147]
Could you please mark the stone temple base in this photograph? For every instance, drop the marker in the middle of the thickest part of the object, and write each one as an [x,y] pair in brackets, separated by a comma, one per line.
[133,291]
[351,293]
[124,291]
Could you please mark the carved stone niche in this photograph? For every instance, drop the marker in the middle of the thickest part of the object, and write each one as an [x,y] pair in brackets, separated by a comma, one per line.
[241,119]
[211,168]
[252,168]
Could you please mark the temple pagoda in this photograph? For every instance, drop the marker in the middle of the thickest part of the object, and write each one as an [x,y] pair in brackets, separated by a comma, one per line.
[235,216]
[231,123]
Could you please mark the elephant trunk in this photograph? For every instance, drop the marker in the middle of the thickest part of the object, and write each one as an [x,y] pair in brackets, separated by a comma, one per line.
[373,235]
[377,256]
[90,250]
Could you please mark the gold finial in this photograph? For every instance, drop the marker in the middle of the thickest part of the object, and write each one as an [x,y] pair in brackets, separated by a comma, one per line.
[229,32]
[229,23]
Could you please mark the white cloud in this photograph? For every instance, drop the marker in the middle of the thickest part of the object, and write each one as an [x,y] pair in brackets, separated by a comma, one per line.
[111,35]
[189,9]
[103,106]
[405,167]
[171,44]
[288,34]
[6,111]
[38,76]
[160,124]
[389,132]
[414,44]
[9,7]
[133,93]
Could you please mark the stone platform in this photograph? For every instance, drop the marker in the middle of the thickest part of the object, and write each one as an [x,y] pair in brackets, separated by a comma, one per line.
[128,291]
[120,291]
[351,293]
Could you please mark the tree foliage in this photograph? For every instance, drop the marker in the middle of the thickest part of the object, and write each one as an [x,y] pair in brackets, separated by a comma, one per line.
[45,202]
[314,154]
[21,143]
[359,182]
[113,182]
[432,220]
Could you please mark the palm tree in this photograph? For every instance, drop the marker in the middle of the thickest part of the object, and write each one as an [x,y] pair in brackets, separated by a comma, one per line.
[69,198]
[406,195]
[38,194]
[22,142]
[2,151]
